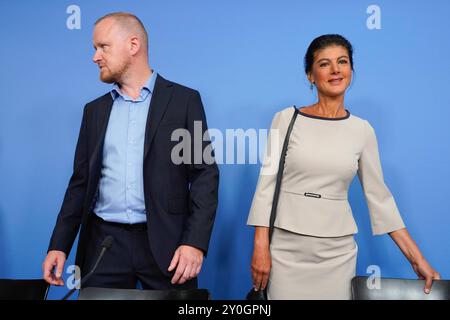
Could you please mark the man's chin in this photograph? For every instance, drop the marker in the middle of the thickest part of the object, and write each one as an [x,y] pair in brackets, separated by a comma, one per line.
[107,78]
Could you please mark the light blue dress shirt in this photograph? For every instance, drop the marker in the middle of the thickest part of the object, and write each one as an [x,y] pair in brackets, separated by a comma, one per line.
[121,187]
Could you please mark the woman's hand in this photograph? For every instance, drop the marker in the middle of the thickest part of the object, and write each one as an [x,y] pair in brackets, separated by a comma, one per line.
[261,261]
[420,266]
[425,272]
[261,266]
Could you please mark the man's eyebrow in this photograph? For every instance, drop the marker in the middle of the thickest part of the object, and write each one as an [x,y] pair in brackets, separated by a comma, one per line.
[99,44]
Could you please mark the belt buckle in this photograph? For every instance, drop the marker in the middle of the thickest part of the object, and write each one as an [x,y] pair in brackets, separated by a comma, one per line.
[312,195]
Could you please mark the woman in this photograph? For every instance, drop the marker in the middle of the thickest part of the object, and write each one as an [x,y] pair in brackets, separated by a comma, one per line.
[312,254]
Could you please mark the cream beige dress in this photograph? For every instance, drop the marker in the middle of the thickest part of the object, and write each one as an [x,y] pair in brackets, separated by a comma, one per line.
[313,249]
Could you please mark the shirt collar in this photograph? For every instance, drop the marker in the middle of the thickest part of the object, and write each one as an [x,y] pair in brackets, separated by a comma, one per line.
[148,88]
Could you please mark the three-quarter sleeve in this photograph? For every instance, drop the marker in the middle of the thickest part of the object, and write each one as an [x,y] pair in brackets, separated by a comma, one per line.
[384,214]
[262,200]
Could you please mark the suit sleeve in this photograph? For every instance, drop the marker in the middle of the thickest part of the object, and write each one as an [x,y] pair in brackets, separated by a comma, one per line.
[262,200]
[384,214]
[203,178]
[70,214]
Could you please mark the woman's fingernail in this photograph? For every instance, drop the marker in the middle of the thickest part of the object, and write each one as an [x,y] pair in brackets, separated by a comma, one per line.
[427,290]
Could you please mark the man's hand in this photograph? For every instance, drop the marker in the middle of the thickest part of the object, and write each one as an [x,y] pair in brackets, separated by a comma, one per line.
[53,267]
[188,261]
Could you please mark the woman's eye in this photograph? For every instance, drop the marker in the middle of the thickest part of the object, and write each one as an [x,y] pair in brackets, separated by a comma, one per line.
[343,61]
[323,64]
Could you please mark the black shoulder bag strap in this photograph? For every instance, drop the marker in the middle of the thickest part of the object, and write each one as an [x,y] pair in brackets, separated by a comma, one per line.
[276,195]
[262,294]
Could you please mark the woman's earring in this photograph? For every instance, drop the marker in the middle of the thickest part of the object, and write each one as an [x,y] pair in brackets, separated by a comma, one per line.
[312,86]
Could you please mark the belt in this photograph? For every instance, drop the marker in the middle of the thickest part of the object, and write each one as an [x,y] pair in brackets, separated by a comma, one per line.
[317,195]
[126,226]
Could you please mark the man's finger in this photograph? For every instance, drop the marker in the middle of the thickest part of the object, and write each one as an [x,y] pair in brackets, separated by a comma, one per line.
[179,272]
[48,268]
[193,273]
[53,279]
[174,261]
[57,281]
[185,275]
[59,268]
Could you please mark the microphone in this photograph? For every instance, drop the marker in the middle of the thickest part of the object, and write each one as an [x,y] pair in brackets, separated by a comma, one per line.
[106,244]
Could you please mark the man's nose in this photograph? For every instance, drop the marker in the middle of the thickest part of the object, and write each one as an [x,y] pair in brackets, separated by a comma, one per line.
[96,56]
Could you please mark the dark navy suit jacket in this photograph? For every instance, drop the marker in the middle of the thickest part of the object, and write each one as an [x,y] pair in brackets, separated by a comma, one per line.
[180,199]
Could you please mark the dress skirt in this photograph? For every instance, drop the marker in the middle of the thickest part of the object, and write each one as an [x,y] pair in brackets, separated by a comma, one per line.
[307,267]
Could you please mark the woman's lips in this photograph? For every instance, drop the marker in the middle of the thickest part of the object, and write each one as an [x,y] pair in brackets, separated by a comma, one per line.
[335,82]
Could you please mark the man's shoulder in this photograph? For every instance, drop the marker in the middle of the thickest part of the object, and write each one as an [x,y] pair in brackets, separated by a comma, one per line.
[101,100]
[179,88]
[98,103]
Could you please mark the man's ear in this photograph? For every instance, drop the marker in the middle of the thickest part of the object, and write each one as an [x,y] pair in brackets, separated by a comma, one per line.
[135,45]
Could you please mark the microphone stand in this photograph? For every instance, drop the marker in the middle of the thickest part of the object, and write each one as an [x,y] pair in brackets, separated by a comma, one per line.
[106,244]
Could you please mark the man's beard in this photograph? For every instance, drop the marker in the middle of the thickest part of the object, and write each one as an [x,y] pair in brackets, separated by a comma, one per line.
[111,77]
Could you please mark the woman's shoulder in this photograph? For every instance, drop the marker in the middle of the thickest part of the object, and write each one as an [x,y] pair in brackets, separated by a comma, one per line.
[288,111]
[362,126]
[361,121]
[358,119]
[282,117]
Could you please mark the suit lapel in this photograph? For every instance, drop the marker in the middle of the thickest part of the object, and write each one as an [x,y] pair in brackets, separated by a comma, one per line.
[102,118]
[158,105]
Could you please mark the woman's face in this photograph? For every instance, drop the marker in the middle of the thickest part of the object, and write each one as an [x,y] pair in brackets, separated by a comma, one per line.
[331,71]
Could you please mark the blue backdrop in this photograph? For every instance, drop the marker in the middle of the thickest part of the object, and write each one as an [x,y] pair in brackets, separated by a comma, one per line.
[245,57]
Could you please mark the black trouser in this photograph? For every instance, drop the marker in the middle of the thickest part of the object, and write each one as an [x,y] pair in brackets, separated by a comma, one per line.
[128,261]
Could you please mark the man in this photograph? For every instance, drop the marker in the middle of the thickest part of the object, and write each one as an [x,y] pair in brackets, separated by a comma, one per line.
[125,183]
